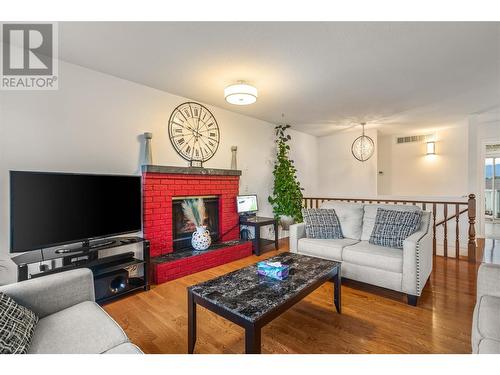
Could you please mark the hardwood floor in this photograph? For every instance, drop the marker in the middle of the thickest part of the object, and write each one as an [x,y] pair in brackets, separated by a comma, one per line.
[373,320]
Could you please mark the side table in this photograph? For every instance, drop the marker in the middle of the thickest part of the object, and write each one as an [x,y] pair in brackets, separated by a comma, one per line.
[257,222]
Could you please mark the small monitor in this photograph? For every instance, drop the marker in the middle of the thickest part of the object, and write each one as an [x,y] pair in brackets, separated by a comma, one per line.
[246,204]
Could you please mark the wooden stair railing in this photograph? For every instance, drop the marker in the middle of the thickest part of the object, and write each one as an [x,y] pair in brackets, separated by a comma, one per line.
[460,208]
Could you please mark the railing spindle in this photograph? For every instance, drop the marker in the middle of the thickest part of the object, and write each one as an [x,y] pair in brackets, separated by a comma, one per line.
[457,231]
[445,226]
[434,228]
[471,248]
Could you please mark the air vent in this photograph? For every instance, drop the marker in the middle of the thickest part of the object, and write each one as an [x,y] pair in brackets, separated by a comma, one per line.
[415,138]
[493,148]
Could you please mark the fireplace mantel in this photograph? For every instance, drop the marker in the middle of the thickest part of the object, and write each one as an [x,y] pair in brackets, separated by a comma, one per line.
[190,170]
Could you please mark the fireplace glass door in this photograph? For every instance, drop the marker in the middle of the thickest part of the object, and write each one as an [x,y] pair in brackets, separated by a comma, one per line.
[183,228]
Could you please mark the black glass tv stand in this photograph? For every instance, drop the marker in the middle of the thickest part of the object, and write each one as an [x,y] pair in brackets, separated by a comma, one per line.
[103,264]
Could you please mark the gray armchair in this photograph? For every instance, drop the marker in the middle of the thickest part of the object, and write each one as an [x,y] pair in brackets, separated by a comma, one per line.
[70,320]
[486,318]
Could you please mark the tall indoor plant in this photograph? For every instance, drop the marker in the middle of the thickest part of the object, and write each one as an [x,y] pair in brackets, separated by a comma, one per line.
[287,193]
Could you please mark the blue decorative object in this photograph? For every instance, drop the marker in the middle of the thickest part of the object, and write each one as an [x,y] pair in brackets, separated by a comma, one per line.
[276,270]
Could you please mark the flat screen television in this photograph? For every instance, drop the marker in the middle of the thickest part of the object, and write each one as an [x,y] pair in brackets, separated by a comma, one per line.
[246,204]
[51,209]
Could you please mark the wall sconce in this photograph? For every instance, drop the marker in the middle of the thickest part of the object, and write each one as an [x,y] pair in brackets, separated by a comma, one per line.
[431,148]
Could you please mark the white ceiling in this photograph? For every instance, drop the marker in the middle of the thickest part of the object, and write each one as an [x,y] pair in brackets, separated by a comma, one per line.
[397,76]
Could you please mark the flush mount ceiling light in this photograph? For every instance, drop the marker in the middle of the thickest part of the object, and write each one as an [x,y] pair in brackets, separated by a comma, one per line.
[240,94]
[363,147]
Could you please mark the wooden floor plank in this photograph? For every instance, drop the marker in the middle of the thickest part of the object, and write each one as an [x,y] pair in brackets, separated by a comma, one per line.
[373,320]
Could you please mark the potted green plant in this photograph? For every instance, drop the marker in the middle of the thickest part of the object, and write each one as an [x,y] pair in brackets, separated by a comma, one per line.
[286,198]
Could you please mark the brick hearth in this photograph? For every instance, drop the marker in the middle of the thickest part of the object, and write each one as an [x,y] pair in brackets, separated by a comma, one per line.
[160,185]
[166,270]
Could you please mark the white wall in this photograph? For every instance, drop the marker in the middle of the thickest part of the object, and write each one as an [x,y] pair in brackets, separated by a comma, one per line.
[407,171]
[304,152]
[339,173]
[94,123]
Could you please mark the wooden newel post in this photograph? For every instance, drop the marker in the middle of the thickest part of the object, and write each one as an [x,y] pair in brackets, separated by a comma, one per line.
[471,211]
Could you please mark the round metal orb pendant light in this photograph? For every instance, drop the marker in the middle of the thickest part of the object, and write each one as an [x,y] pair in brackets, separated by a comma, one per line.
[363,147]
[240,94]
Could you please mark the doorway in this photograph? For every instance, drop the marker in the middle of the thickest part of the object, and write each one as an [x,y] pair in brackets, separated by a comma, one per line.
[492,192]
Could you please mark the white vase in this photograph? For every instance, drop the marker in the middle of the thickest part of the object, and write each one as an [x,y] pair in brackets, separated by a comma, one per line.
[201,239]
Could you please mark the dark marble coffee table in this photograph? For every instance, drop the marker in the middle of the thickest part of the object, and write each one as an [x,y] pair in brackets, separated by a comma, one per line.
[251,301]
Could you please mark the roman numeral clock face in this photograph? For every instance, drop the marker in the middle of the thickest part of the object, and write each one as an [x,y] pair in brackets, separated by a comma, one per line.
[194,133]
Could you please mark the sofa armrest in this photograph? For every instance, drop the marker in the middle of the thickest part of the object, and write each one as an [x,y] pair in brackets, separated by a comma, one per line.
[486,319]
[49,294]
[485,338]
[297,231]
[488,280]
[417,258]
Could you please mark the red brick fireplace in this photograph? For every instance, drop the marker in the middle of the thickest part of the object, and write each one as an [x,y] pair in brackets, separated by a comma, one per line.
[160,185]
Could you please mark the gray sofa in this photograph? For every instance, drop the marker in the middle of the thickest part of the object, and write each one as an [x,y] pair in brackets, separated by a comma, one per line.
[404,270]
[70,320]
[486,317]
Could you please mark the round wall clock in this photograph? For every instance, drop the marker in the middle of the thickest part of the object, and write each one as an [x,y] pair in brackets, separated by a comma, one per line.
[194,133]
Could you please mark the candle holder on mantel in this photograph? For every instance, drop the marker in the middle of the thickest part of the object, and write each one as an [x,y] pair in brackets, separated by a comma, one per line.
[148,153]
[234,163]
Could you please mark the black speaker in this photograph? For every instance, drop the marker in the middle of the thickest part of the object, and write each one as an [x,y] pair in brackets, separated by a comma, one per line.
[110,284]
[245,234]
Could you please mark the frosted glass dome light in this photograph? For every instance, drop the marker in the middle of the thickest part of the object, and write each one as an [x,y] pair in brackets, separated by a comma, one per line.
[240,94]
[363,147]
